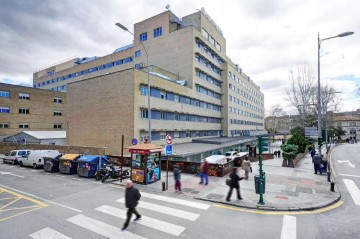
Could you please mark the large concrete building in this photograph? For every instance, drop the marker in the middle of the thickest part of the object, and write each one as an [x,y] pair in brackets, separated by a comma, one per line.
[196,90]
[25,108]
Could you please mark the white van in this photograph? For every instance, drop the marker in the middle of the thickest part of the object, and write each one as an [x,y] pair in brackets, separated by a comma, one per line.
[35,158]
[15,156]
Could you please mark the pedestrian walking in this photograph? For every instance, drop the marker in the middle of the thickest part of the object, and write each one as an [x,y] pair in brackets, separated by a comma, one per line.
[177,178]
[204,172]
[278,153]
[312,153]
[317,162]
[246,166]
[234,183]
[132,197]
[275,154]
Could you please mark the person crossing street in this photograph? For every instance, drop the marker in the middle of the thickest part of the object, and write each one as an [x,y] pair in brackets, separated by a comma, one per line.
[132,197]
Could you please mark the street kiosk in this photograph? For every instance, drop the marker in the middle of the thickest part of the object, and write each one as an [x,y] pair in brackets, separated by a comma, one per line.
[145,163]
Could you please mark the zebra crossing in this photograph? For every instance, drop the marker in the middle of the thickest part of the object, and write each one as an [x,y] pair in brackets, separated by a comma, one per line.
[162,205]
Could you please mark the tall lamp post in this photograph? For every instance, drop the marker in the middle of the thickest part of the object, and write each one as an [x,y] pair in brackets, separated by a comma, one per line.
[148,76]
[344,34]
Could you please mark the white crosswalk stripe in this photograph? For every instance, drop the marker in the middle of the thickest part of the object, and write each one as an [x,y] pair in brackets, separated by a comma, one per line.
[166,210]
[177,201]
[288,230]
[113,232]
[102,228]
[47,233]
[146,221]
[353,190]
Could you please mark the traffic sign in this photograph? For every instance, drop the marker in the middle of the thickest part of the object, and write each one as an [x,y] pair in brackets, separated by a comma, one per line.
[168,139]
[168,149]
[134,141]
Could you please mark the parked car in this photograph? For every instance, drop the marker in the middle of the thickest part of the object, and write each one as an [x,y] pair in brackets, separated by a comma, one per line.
[35,158]
[230,155]
[15,156]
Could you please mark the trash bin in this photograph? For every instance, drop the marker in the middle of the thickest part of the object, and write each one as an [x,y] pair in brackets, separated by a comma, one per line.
[51,164]
[257,184]
[68,163]
[89,164]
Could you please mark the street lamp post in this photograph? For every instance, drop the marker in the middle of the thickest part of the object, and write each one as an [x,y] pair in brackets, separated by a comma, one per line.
[148,77]
[344,34]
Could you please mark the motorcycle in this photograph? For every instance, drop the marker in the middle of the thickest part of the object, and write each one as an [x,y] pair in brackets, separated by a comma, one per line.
[111,172]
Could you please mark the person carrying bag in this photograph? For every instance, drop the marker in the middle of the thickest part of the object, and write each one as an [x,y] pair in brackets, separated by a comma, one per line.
[233,182]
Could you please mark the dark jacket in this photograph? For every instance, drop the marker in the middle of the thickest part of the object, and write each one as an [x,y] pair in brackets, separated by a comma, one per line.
[234,180]
[312,152]
[132,197]
[177,175]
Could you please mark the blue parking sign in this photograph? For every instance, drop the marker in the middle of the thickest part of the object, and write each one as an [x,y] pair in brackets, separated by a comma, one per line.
[168,149]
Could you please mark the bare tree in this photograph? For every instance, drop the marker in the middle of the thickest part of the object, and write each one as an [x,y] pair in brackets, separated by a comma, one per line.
[276,112]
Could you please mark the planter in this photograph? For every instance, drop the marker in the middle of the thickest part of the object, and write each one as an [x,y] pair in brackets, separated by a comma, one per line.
[292,163]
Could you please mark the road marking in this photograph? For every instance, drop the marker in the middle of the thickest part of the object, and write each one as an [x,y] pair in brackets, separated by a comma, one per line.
[102,228]
[348,163]
[288,230]
[42,199]
[177,201]
[79,179]
[321,210]
[166,210]
[47,233]
[12,174]
[353,190]
[349,175]
[146,221]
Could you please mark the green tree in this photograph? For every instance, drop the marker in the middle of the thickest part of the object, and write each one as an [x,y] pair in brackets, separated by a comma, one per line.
[298,139]
[289,151]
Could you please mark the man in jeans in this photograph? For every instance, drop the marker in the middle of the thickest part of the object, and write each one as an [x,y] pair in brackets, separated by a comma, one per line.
[204,172]
[132,197]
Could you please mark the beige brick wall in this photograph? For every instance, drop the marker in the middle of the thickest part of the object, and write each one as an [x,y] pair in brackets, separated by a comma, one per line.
[41,109]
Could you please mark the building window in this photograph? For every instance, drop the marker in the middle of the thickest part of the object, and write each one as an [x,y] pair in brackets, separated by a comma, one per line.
[137,53]
[50,73]
[143,36]
[163,115]
[143,90]
[158,32]
[24,96]
[4,109]
[162,136]
[24,111]
[144,114]
[57,113]
[162,94]
[205,33]
[57,126]
[23,126]
[138,66]
[4,125]
[58,100]
[5,94]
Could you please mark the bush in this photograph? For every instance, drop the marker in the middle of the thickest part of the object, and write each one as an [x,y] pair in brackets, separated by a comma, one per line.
[290,151]
[298,139]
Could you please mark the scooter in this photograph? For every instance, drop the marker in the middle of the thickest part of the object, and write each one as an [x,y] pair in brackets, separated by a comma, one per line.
[113,173]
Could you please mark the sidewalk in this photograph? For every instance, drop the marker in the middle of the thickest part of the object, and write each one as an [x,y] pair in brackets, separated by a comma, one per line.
[287,189]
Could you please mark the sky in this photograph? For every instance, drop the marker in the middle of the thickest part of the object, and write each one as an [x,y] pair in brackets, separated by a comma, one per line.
[269,39]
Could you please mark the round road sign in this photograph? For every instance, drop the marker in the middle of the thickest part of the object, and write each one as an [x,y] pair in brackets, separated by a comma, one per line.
[168,139]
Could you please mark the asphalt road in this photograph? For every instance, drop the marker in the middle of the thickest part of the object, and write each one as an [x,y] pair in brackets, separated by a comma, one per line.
[35,204]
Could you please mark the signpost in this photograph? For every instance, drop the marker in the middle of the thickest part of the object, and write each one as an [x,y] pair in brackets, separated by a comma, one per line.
[168,151]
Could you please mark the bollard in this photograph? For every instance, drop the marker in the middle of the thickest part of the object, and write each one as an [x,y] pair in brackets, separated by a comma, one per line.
[163,186]
[332,186]
[328,177]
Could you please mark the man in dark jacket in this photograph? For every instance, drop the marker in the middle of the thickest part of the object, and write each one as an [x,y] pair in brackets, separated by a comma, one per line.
[234,183]
[132,197]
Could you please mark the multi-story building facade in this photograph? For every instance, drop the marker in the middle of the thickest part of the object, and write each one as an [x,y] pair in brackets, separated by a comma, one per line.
[25,108]
[281,124]
[196,90]
[349,122]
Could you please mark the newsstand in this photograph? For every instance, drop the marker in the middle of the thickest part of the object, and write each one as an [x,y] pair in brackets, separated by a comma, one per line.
[69,164]
[51,164]
[89,164]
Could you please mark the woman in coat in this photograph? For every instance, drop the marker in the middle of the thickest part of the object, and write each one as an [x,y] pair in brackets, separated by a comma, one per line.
[246,165]
[234,183]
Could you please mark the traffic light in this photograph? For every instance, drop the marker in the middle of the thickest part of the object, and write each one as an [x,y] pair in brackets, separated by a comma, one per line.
[252,151]
[263,144]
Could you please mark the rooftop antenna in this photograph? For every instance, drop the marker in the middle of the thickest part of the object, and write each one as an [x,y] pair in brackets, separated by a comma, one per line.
[167,6]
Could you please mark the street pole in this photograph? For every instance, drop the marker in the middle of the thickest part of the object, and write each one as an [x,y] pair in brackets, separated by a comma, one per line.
[148,77]
[318,89]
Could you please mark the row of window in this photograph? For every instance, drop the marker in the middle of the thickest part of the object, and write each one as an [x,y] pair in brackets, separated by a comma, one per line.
[157,33]
[5,94]
[208,78]
[209,51]
[6,110]
[245,113]
[164,115]
[160,135]
[232,76]
[208,92]
[243,103]
[207,63]
[85,72]
[210,39]
[244,94]
[23,96]
[25,126]
[244,122]
[178,98]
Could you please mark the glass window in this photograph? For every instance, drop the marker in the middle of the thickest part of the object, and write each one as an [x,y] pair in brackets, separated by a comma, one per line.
[137,53]
[57,126]
[4,125]
[143,90]
[58,100]
[143,36]
[24,96]
[24,111]
[57,113]
[23,126]
[157,31]
[144,114]
[205,33]
[5,94]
